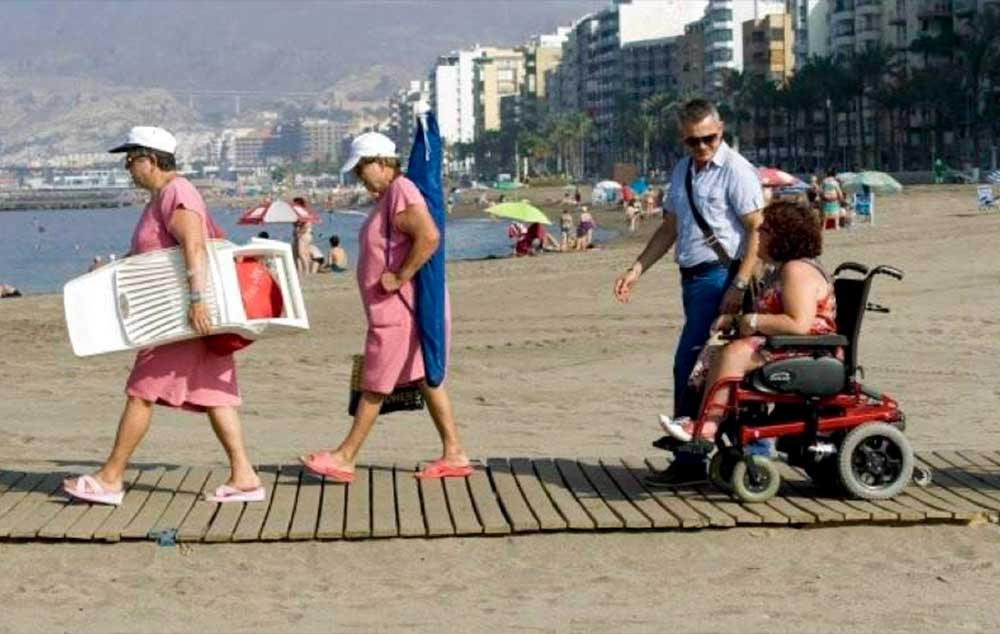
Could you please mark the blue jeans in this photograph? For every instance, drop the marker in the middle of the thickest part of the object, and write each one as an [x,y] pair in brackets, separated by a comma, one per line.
[701,296]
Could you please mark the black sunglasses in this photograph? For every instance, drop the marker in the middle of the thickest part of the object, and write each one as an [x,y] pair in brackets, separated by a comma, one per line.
[695,141]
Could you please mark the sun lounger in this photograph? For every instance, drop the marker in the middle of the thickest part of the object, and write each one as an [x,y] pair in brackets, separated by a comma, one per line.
[984,194]
[142,301]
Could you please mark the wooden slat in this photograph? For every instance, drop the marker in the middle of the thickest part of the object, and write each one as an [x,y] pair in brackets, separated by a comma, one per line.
[486,503]
[927,512]
[184,498]
[612,495]
[135,497]
[411,515]
[952,501]
[791,491]
[463,514]
[435,506]
[852,511]
[384,523]
[794,514]
[690,495]
[549,518]
[587,495]
[36,510]
[198,519]
[358,523]
[688,517]
[728,505]
[637,495]
[46,485]
[279,515]
[15,494]
[569,507]
[516,508]
[961,484]
[980,469]
[766,513]
[8,479]
[306,517]
[155,505]
[252,519]
[981,459]
[951,511]
[332,507]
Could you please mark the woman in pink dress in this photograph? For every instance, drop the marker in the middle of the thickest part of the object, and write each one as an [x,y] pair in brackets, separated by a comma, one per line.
[185,374]
[398,237]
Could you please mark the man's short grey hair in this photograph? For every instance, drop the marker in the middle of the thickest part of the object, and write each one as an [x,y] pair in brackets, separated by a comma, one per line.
[695,110]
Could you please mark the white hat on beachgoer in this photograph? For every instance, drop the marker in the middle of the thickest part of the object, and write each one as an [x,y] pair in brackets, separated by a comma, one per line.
[151,137]
[369,145]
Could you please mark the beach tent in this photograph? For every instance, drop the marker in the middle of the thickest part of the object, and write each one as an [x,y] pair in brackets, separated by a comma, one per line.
[424,169]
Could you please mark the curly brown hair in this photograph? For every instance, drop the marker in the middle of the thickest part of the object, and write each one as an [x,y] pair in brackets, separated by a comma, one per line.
[793,230]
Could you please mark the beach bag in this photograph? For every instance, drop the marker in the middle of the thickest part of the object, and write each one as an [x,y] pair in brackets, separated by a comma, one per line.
[403,397]
[261,300]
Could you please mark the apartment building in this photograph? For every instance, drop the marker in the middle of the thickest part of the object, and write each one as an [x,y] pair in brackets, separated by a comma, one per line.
[769,47]
[498,73]
[452,84]
[402,114]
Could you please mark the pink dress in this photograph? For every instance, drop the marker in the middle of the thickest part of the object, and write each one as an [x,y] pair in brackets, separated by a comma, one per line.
[184,374]
[392,344]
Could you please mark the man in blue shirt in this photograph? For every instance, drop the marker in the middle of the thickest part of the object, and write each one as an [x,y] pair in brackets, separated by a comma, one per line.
[714,272]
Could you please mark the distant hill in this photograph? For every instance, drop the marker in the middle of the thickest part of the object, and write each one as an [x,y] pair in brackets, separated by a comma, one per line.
[74,75]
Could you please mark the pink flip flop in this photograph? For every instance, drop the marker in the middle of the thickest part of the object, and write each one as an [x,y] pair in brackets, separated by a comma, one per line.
[321,464]
[89,489]
[441,469]
[226,493]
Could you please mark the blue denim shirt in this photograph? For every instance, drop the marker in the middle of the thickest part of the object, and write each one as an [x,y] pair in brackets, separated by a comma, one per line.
[725,190]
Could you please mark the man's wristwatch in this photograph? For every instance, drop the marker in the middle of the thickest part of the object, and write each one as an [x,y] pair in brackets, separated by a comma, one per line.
[196,297]
[738,284]
[753,322]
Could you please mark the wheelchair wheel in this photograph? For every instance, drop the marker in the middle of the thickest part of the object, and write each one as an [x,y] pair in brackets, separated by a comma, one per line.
[875,461]
[760,489]
[720,468]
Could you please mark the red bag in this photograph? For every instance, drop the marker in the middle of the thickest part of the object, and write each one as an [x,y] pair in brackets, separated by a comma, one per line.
[261,299]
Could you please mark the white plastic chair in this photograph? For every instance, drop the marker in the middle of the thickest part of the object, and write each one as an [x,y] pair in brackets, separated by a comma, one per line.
[984,194]
[142,301]
[864,207]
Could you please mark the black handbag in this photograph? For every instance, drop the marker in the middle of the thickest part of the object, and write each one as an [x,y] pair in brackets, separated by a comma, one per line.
[403,397]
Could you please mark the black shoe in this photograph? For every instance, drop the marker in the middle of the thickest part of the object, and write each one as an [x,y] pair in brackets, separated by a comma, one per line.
[667,443]
[678,474]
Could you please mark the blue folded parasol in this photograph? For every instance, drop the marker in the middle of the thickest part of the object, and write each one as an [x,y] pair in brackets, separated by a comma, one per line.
[424,169]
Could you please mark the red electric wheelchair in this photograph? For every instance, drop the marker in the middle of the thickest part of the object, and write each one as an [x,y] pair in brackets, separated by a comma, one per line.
[846,436]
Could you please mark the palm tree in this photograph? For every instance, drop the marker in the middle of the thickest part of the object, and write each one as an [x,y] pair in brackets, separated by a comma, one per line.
[870,67]
[978,52]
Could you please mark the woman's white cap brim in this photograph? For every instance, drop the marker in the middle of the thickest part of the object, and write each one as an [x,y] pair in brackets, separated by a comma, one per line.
[369,145]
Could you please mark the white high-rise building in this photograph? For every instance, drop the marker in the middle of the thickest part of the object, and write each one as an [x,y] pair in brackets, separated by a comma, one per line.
[453,97]
[723,21]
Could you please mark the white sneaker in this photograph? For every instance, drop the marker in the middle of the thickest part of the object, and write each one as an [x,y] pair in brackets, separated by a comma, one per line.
[675,427]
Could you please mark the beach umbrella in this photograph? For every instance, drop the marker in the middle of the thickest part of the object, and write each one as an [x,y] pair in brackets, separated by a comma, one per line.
[424,169]
[878,182]
[773,177]
[608,185]
[277,211]
[520,210]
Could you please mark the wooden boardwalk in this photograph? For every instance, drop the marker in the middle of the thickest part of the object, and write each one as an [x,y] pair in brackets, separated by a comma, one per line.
[503,496]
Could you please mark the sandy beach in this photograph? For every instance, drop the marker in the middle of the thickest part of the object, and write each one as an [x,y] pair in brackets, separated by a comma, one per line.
[545,363]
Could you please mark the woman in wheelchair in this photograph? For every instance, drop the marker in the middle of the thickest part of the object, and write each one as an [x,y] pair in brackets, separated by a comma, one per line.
[797,298]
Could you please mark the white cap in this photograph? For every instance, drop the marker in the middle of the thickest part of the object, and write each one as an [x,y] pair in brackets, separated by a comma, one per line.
[369,145]
[144,136]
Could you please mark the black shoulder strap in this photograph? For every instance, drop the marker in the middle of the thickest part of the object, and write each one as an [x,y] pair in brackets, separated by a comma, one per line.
[710,238]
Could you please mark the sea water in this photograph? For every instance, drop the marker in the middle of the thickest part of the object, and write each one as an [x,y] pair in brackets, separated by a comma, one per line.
[42,250]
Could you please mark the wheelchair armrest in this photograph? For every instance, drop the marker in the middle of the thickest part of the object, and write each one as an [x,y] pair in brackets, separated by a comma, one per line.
[806,341]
